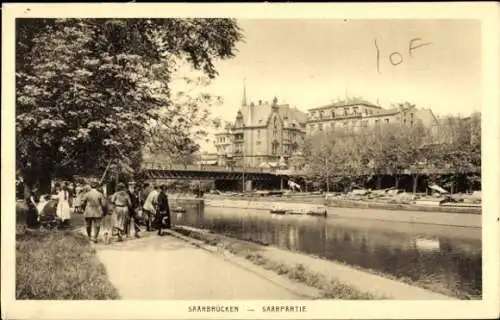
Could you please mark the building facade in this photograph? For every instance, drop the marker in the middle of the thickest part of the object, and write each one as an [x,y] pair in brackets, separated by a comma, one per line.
[262,134]
[356,114]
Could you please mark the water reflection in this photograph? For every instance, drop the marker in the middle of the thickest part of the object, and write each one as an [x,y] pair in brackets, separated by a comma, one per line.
[453,262]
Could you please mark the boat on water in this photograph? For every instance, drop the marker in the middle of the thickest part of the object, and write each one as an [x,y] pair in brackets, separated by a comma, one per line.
[278,211]
[318,212]
[297,212]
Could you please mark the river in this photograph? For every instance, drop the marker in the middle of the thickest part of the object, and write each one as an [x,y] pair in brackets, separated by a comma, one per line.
[446,257]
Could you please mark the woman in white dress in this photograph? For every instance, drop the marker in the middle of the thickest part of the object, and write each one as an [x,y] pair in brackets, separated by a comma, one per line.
[63,207]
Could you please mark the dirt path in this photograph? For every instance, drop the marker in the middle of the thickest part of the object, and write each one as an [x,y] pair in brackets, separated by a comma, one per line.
[168,268]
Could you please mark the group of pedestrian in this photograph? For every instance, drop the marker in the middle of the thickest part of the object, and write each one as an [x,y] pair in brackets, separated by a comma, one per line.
[129,207]
[59,201]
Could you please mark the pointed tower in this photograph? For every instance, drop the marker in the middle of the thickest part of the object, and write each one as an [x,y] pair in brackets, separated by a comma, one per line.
[244,100]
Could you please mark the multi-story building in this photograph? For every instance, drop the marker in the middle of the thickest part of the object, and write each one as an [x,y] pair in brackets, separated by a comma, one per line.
[261,133]
[355,114]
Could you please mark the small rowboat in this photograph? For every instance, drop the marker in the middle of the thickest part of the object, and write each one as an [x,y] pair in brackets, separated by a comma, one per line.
[278,210]
[298,212]
[179,209]
[318,212]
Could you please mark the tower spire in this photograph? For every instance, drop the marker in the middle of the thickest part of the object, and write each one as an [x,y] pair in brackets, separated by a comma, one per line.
[244,100]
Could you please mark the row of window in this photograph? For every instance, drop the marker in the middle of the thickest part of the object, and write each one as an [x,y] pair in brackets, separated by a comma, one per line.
[222,139]
[347,111]
[355,124]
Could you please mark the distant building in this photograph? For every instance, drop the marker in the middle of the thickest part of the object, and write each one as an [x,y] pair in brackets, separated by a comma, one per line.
[262,134]
[355,114]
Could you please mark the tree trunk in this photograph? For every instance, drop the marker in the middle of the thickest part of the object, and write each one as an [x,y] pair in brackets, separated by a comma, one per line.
[327,183]
[44,183]
[379,182]
[396,185]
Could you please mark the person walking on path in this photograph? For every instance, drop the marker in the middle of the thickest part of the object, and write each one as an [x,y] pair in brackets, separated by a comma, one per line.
[121,203]
[31,200]
[133,217]
[163,211]
[150,207]
[63,206]
[93,204]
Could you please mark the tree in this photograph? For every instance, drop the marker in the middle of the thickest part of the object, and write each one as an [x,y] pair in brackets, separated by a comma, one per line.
[459,150]
[173,133]
[317,150]
[88,88]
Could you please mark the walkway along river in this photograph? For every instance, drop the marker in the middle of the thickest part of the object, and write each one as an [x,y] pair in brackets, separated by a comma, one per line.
[449,257]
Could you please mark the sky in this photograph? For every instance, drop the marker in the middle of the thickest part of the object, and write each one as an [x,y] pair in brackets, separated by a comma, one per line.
[309,63]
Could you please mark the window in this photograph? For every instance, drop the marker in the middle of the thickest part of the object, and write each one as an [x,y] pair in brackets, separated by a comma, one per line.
[346,111]
[386,120]
[320,126]
[355,110]
[258,134]
[275,147]
[321,114]
[366,111]
[333,114]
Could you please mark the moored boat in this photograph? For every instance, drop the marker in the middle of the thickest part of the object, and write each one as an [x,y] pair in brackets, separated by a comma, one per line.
[318,212]
[278,210]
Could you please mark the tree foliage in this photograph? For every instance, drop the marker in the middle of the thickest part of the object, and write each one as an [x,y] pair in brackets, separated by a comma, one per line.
[88,89]
[345,156]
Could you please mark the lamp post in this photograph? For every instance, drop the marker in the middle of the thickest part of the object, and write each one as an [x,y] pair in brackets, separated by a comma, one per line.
[243,173]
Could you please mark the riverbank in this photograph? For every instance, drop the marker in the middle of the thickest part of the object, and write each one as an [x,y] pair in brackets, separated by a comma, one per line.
[309,200]
[336,280]
[424,217]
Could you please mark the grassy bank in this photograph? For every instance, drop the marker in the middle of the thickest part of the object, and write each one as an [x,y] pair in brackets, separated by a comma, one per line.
[59,265]
[331,289]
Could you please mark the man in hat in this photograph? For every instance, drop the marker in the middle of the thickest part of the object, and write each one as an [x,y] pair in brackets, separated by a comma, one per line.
[163,211]
[149,207]
[94,205]
[134,210]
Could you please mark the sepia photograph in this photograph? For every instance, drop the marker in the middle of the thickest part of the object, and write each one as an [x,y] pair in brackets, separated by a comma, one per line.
[218,160]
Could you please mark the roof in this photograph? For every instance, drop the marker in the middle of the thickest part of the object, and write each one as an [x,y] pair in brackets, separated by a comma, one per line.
[345,103]
[384,112]
[258,115]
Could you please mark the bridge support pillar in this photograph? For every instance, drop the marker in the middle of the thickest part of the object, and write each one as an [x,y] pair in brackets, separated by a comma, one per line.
[248,185]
